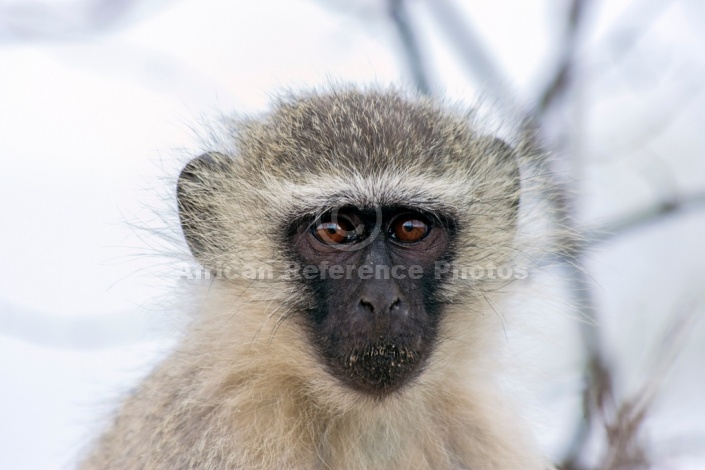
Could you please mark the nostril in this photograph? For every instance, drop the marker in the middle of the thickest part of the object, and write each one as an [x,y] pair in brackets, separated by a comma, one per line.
[366,305]
[387,308]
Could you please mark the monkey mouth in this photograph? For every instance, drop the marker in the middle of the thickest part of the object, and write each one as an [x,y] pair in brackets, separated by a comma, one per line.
[378,368]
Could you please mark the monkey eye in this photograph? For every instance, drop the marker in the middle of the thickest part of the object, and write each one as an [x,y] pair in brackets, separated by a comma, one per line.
[336,230]
[409,228]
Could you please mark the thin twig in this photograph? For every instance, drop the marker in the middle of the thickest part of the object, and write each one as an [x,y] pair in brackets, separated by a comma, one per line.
[560,81]
[475,57]
[410,45]
[647,216]
[624,447]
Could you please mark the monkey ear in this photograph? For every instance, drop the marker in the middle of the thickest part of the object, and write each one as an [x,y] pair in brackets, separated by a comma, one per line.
[198,190]
[507,163]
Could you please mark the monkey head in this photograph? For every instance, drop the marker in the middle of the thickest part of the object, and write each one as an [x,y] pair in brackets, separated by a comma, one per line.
[370,195]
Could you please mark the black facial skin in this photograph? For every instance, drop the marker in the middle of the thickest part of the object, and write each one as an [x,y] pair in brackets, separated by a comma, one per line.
[375,329]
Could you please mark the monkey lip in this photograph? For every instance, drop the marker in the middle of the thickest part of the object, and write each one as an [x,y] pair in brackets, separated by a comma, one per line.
[378,368]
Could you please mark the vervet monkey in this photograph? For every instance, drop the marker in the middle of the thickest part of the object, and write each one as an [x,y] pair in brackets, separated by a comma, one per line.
[361,348]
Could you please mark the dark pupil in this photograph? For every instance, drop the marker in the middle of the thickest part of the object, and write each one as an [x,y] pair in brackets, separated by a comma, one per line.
[408,226]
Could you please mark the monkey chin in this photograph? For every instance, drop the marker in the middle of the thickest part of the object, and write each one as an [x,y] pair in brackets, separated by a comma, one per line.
[380,368]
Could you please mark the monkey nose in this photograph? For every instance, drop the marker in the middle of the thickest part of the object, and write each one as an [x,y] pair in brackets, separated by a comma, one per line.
[381,304]
[379,313]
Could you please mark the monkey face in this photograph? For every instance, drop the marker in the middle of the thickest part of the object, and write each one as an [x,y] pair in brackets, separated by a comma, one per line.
[372,275]
[367,193]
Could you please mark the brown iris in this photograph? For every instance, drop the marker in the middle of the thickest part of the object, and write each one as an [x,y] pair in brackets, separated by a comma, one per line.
[408,228]
[340,230]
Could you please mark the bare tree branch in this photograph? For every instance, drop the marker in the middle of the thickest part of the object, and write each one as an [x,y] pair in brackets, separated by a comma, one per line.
[47,20]
[598,376]
[647,216]
[400,18]
[625,449]
[476,59]
[628,28]
[559,83]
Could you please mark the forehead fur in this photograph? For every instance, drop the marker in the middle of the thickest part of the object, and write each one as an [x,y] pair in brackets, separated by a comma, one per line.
[374,147]
[354,131]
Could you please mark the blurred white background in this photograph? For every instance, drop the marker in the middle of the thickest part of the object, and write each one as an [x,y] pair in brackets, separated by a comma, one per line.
[100,105]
